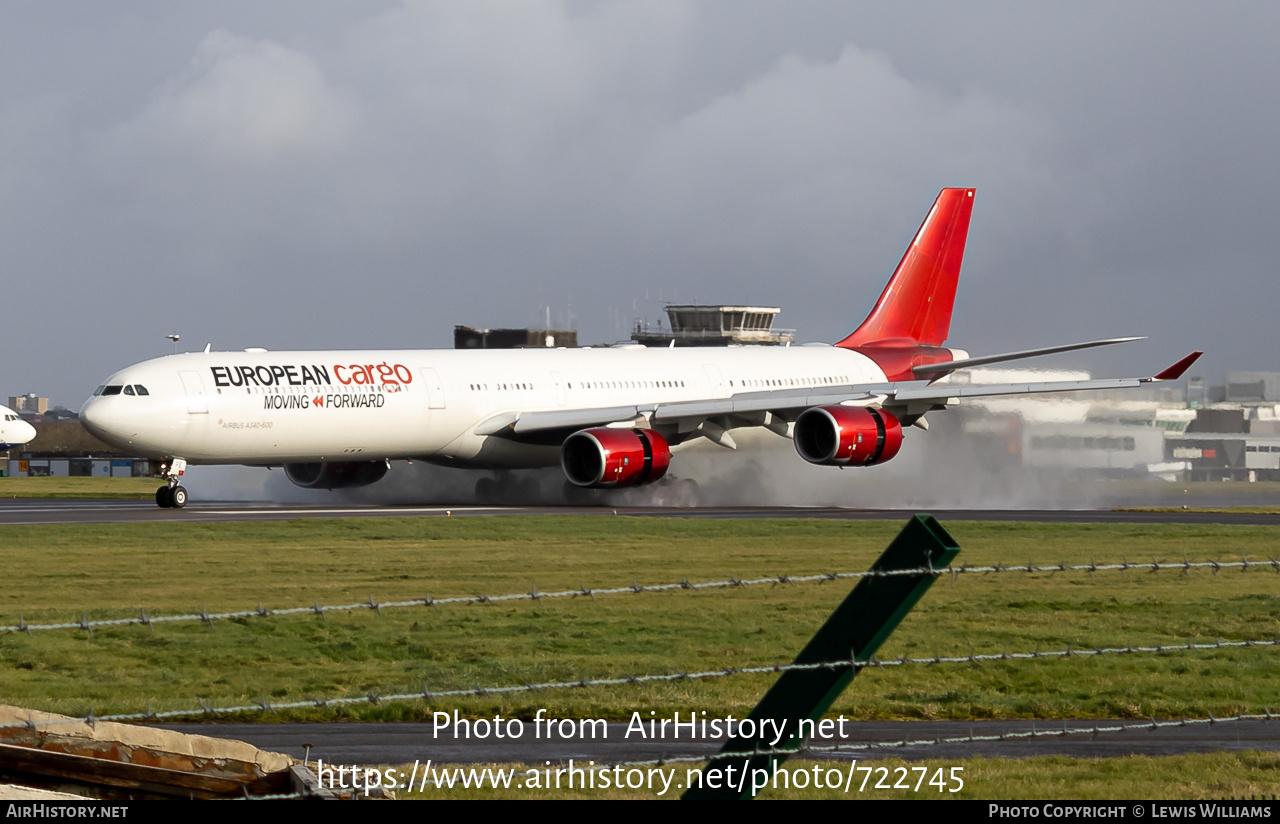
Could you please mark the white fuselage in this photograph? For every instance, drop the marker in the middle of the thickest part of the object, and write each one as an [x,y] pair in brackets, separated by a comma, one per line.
[282,407]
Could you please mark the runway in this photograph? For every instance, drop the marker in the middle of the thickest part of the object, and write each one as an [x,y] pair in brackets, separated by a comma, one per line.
[33,511]
[404,743]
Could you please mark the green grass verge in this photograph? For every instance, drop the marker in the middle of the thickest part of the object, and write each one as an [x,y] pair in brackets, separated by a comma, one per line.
[110,488]
[59,573]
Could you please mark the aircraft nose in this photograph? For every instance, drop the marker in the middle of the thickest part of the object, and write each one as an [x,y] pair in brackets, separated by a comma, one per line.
[93,417]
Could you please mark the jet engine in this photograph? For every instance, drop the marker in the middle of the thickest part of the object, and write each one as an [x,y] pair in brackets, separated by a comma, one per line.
[847,435]
[614,458]
[335,474]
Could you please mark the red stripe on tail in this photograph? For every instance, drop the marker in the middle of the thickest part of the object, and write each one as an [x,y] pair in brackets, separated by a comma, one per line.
[915,306]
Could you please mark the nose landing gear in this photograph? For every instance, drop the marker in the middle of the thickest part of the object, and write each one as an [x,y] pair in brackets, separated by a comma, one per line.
[172,496]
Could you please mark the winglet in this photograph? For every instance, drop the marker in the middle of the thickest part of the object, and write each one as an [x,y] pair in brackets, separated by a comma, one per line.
[1174,372]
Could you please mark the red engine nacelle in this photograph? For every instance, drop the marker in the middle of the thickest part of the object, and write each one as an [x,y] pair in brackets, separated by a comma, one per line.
[335,474]
[614,457]
[847,435]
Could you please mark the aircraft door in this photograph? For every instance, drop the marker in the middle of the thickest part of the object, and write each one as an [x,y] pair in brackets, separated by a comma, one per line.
[559,385]
[435,389]
[197,403]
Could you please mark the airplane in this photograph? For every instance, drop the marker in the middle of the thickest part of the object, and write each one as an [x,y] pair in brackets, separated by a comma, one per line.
[610,417]
[14,431]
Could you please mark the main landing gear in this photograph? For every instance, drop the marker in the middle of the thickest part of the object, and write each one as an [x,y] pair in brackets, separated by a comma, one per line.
[172,496]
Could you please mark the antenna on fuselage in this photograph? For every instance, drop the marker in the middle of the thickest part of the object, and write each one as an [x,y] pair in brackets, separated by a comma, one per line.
[175,337]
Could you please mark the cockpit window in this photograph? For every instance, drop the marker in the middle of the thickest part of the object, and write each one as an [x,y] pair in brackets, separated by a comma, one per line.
[98,391]
[142,390]
[112,390]
[128,390]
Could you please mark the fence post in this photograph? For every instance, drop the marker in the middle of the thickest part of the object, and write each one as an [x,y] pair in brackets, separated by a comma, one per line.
[854,631]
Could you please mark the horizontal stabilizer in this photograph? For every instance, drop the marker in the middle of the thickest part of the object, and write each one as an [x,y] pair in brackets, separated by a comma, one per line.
[928,369]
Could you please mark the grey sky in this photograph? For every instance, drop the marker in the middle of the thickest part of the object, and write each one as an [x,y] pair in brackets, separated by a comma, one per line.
[352,174]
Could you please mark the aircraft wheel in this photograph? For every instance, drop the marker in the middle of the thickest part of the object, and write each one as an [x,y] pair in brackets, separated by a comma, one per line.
[164,497]
[687,493]
[486,490]
[179,497]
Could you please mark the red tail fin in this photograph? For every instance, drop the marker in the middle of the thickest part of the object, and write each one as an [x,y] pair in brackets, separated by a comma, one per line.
[916,305]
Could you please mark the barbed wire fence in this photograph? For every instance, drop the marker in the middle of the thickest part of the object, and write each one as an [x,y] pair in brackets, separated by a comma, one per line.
[205,708]
[1185,568]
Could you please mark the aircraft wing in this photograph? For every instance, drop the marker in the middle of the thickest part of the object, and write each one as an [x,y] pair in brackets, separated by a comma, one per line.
[797,399]
[913,391]
[525,422]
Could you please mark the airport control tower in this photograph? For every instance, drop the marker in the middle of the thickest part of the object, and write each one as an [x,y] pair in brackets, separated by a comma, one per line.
[700,325]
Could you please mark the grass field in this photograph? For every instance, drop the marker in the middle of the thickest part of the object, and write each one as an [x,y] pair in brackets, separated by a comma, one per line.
[59,573]
[113,488]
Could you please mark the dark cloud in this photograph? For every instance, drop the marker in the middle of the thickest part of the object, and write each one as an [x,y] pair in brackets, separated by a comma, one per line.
[351,175]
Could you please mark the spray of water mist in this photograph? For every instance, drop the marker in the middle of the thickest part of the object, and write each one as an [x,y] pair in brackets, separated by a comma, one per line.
[940,469]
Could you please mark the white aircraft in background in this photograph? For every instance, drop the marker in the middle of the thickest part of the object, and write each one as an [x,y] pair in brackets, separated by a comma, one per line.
[14,431]
[609,416]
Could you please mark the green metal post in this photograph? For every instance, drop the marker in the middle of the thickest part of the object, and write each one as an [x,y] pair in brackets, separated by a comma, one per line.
[854,631]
